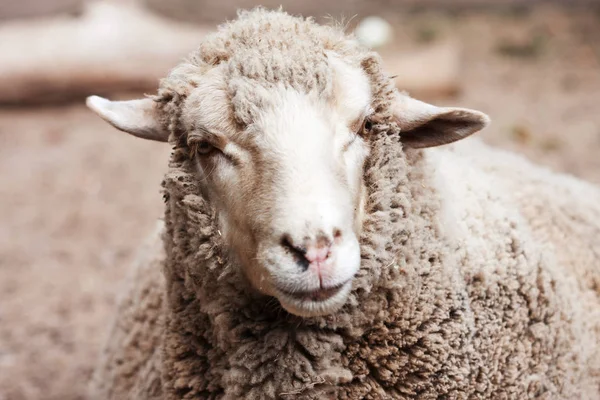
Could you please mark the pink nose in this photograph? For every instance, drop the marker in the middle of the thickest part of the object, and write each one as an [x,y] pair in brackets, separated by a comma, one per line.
[312,253]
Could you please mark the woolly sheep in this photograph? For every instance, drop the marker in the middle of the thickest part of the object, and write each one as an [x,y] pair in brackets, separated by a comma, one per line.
[313,250]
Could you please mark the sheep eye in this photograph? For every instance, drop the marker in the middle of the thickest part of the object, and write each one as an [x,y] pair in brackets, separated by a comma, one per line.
[366,128]
[203,148]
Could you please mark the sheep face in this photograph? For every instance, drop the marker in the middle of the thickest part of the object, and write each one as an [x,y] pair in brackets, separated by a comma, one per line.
[287,184]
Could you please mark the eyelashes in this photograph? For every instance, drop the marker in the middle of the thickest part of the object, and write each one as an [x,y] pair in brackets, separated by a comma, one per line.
[201,148]
[363,130]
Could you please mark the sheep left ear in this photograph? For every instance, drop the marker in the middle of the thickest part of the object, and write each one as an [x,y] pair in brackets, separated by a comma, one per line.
[424,125]
[136,117]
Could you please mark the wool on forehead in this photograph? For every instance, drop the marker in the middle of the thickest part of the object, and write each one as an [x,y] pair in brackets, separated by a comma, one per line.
[271,48]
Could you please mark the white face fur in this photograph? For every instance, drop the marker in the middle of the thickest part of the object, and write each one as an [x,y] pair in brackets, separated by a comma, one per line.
[288,187]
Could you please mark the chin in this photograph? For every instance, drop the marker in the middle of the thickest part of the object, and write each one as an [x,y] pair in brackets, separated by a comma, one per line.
[316,303]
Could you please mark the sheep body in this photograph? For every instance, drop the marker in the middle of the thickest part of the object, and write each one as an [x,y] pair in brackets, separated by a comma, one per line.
[467,288]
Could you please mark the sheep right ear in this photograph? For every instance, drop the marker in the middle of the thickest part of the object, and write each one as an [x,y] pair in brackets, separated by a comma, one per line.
[424,125]
[136,117]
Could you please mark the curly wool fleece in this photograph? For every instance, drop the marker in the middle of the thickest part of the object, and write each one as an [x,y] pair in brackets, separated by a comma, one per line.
[466,288]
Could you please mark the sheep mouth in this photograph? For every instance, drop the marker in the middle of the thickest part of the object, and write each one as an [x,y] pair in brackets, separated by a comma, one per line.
[314,302]
[321,294]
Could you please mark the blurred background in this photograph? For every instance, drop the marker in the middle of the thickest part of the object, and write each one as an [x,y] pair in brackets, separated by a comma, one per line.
[78,197]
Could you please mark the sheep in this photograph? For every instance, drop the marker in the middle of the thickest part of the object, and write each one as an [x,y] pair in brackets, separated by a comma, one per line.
[319,244]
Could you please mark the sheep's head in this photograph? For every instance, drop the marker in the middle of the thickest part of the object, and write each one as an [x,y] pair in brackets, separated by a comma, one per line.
[283,166]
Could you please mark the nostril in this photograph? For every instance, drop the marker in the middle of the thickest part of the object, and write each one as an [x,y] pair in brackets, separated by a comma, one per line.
[337,235]
[299,253]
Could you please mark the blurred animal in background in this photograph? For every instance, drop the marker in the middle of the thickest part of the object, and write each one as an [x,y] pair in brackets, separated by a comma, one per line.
[316,247]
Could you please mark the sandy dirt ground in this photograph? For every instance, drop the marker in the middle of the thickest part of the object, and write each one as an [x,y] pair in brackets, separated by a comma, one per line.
[77,197]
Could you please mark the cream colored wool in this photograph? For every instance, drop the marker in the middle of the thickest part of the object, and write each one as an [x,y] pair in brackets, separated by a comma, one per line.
[479,279]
